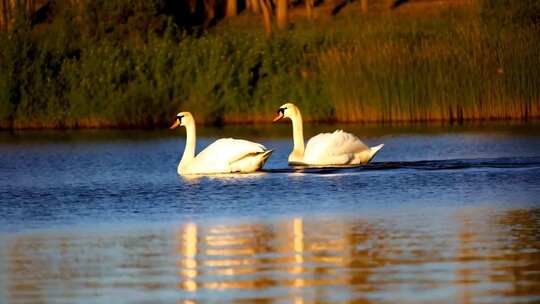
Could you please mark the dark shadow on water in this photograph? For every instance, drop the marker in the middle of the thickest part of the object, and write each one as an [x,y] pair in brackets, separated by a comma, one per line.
[431,165]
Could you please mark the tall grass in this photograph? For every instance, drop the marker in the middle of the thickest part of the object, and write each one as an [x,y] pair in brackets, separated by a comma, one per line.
[91,68]
[453,67]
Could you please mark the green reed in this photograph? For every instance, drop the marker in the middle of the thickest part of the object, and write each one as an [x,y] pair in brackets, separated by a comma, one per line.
[83,70]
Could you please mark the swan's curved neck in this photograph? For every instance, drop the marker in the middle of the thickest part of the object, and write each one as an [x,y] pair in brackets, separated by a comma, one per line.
[298,134]
[189,150]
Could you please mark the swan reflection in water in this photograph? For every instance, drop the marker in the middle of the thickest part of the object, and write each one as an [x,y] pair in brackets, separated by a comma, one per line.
[292,171]
[196,178]
[467,256]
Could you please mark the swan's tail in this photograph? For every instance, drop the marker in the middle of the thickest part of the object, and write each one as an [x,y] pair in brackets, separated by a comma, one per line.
[250,162]
[260,159]
[265,155]
[375,149]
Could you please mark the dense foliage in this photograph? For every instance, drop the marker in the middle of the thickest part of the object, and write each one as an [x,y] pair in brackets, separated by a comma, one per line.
[133,63]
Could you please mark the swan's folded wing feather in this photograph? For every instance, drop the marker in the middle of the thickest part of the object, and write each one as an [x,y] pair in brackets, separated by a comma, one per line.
[224,151]
[326,147]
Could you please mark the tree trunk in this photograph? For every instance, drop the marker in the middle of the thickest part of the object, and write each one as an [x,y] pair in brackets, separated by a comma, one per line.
[266,13]
[231,8]
[255,7]
[364,5]
[309,8]
[281,13]
[209,12]
[7,13]
[3,15]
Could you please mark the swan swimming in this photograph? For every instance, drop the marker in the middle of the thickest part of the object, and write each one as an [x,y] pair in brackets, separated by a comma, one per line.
[225,155]
[326,149]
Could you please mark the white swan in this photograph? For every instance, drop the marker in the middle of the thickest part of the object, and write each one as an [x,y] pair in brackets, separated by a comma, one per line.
[325,149]
[226,155]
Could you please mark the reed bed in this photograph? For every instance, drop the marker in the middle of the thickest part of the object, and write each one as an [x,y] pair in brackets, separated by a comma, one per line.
[460,64]
[450,68]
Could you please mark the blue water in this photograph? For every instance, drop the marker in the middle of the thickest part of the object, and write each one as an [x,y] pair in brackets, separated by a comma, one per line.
[101,216]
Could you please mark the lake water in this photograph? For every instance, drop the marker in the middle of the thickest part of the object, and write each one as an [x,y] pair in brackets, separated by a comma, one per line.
[443,214]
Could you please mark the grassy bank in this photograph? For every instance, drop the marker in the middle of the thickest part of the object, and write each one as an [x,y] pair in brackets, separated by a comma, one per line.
[85,68]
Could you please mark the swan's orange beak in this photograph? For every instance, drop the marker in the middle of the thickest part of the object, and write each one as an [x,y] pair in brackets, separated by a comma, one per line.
[280,116]
[175,124]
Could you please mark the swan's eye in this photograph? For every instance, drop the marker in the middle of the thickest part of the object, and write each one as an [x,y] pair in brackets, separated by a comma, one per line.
[179,117]
[281,110]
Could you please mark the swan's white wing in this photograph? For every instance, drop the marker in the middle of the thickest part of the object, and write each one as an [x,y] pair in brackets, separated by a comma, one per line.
[219,155]
[336,148]
[230,149]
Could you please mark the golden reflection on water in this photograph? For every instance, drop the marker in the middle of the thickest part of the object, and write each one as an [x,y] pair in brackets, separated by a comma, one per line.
[187,247]
[469,256]
[298,236]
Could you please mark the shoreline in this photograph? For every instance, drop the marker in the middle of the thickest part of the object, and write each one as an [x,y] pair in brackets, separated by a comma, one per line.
[232,123]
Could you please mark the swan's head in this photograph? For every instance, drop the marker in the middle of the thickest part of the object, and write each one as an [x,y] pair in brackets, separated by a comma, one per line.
[287,110]
[183,119]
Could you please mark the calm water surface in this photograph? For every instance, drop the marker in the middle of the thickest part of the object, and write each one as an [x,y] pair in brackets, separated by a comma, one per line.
[443,214]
